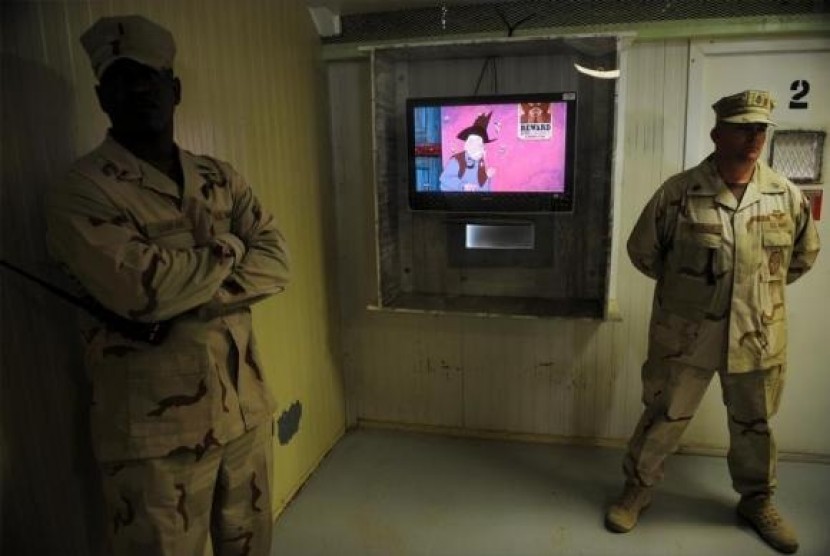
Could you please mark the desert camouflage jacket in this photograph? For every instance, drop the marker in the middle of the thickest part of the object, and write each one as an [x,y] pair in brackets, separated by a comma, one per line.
[721,267]
[143,249]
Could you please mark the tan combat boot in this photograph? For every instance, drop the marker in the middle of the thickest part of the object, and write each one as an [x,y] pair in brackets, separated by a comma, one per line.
[764,517]
[622,515]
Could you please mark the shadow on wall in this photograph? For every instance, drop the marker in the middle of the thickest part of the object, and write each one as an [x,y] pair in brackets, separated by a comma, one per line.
[50,495]
[328,221]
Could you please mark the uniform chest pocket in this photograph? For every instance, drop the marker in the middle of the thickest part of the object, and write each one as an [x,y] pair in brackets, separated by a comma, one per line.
[173,233]
[777,247]
[699,255]
[697,263]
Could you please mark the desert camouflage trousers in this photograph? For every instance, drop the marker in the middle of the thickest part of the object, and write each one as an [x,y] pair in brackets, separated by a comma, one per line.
[215,502]
[672,394]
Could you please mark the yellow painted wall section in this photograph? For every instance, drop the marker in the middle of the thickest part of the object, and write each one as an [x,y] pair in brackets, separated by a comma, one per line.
[254,95]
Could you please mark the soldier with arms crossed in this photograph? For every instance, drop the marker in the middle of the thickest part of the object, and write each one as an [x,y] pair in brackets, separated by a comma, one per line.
[721,240]
[181,426]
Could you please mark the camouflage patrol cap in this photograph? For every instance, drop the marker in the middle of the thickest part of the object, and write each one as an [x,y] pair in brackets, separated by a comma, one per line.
[747,107]
[128,36]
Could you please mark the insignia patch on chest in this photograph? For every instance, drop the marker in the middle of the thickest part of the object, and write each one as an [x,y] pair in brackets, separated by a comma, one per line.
[111,170]
[779,221]
[773,221]
[757,218]
[212,179]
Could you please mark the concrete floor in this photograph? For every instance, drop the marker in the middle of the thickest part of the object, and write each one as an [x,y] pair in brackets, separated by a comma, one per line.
[385,493]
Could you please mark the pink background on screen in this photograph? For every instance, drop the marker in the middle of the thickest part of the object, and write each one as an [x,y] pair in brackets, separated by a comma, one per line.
[521,165]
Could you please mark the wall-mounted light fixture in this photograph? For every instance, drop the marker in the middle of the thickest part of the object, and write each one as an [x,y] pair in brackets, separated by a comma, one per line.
[598,73]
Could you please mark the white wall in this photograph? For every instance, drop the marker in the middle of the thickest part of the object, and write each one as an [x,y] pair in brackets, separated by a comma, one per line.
[554,378]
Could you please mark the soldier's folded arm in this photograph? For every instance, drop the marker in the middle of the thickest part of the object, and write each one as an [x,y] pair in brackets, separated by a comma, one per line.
[264,268]
[805,241]
[120,267]
[651,236]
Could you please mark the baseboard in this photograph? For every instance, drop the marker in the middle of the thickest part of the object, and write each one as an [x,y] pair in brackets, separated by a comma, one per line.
[618,443]
[490,434]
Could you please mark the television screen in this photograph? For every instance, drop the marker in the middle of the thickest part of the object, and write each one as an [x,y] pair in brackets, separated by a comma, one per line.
[496,153]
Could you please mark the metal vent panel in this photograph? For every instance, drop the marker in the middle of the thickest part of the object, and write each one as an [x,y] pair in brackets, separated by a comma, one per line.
[797,155]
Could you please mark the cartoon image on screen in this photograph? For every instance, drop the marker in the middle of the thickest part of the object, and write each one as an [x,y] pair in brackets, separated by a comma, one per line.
[535,113]
[515,147]
[467,170]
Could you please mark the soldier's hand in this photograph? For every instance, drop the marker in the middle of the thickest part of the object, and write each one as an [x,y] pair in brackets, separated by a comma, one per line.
[227,246]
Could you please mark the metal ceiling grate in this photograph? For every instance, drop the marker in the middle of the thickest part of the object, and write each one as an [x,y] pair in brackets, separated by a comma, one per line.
[495,17]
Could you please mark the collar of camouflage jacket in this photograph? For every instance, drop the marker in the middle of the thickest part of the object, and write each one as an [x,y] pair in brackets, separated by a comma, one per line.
[128,167]
[708,183]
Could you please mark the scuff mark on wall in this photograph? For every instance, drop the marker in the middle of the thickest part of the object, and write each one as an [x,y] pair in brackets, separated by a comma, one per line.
[289,423]
[431,368]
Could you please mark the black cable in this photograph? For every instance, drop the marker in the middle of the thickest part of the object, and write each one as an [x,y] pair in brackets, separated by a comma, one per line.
[481,75]
[150,332]
[77,302]
[512,28]
[490,60]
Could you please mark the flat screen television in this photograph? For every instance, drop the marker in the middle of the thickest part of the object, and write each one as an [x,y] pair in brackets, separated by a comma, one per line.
[505,153]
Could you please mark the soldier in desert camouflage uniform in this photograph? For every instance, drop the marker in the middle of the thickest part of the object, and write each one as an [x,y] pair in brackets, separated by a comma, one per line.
[721,240]
[182,428]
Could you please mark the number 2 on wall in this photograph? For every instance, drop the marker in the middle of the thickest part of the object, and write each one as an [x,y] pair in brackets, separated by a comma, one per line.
[801,88]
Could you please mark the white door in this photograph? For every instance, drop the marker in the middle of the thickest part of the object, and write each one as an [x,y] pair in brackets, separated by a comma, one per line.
[795,71]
